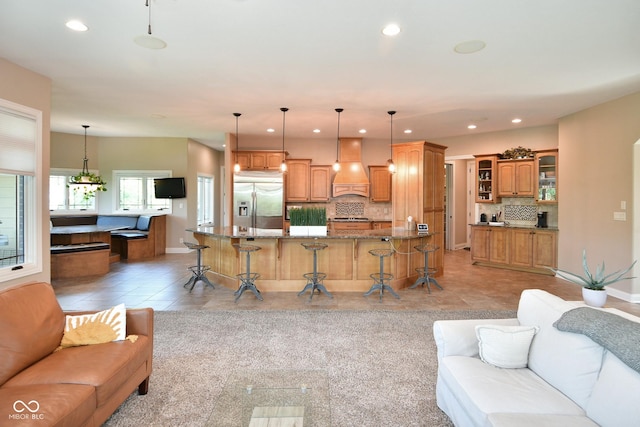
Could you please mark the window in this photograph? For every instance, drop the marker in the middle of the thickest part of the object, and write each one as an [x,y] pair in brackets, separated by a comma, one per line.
[20,198]
[134,191]
[65,198]
[205,200]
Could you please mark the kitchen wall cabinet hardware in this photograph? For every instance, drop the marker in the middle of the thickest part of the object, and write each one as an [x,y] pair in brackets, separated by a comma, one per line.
[380,180]
[546,173]
[515,178]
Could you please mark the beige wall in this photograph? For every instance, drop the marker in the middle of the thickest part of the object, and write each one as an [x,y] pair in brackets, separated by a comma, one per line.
[33,90]
[595,175]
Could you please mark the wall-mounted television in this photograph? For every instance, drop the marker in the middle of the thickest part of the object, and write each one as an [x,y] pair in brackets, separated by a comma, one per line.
[169,188]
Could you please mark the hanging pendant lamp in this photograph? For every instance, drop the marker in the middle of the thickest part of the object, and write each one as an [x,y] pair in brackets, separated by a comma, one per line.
[86,181]
[283,165]
[391,166]
[236,166]
[336,165]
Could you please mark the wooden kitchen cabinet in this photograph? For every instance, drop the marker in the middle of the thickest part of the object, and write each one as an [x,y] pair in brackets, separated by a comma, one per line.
[380,225]
[320,185]
[486,179]
[490,244]
[350,225]
[297,180]
[515,178]
[534,248]
[546,177]
[260,160]
[380,179]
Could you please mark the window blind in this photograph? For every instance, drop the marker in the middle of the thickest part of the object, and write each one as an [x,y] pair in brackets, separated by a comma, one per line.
[17,143]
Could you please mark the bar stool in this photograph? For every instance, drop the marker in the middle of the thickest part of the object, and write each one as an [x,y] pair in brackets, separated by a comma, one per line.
[314,280]
[248,278]
[198,271]
[426,272]
[380,278]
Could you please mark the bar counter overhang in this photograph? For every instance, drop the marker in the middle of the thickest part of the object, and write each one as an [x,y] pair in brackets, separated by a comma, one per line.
[283,260]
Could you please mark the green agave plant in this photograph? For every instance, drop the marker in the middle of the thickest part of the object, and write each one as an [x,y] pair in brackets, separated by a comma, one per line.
[595,281]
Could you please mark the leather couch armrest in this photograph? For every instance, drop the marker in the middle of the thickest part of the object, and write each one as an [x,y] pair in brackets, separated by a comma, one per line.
[140,321]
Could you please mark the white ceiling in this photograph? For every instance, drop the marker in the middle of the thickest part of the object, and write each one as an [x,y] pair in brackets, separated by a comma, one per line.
[543,59]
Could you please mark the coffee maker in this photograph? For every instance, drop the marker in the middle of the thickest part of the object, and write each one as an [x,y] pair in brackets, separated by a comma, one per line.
[542,220]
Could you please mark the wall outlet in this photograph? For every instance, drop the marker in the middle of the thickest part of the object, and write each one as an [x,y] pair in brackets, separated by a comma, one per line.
[181,240]
[619,216]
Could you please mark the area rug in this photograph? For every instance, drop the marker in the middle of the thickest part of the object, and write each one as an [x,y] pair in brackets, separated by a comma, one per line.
[366,368]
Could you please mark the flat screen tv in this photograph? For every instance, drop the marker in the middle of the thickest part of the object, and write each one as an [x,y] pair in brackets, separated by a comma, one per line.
[169,188]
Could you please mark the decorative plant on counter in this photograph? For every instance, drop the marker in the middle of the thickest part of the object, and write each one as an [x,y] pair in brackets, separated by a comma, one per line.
[596,281]
[517,153]
[308,216]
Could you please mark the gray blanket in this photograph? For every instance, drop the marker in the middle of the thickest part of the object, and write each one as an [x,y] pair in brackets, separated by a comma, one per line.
[618,335]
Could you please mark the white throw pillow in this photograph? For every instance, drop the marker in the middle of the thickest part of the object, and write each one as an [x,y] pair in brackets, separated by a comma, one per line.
[505,346]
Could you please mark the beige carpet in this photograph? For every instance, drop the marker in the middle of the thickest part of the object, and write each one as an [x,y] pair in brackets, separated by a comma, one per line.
[366,368]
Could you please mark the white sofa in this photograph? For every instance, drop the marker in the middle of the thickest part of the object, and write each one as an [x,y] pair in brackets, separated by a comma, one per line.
[569,380]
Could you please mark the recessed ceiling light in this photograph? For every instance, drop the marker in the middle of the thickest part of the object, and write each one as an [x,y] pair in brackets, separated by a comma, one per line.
[472,127]
[470,46]
[76,25]
[150,42]
[362,131]
[271,130]
[316,131]
[516,120]
[391,30]
[224,145]
[408,131]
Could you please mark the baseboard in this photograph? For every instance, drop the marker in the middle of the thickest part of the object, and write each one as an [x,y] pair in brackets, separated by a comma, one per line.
[625,296]
[177,250]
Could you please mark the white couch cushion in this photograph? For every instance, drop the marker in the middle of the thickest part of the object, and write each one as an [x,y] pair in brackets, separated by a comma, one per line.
[539,420]
[615,401]
[482,389]
[505,346]
[569,362]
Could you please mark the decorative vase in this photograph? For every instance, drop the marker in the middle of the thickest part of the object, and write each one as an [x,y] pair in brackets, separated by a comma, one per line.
[593,297]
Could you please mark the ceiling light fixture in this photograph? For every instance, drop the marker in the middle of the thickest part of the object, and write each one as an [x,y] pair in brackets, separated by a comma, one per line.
[362,131]
[316,131]
[76,25]
[86,181]
[408,131]
[336,165]
[236,166]
[283,165]
[391,166]
[472,127]
[391,30]
[148,40]
[516,120]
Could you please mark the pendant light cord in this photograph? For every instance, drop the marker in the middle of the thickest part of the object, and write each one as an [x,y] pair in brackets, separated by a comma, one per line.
[148,4]
[283,166]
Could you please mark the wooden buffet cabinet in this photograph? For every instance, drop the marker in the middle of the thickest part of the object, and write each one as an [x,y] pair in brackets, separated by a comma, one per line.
[520,248]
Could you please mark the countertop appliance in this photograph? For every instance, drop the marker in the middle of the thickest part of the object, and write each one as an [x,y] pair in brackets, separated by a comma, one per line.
[483,217]
[542,220]
[258,200]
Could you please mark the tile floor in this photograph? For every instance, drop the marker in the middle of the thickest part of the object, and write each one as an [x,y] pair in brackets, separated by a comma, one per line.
[158,283]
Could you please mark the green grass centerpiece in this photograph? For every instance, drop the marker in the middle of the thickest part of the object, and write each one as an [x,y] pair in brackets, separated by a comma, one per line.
[308,222]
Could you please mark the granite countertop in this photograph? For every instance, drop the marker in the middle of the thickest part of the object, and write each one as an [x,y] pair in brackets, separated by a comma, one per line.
[507,225]
[261,233]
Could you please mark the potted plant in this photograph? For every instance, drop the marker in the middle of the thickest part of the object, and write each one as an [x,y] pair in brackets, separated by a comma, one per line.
[308,222]
[88,183]
[593,285]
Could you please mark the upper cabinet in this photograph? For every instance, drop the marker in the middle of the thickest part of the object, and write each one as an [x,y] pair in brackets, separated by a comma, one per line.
[297,180]
[515,178]
[380,179]
[320,186]
[546,176]
[260,160]
[486,178]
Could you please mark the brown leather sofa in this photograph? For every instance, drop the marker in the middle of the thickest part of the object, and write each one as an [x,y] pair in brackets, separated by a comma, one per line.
[76,386]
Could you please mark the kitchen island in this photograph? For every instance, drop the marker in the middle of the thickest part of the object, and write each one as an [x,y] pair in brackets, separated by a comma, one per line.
[283,260]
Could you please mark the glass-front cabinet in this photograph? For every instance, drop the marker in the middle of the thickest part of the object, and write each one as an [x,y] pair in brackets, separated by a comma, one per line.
[546,176]
[486,174]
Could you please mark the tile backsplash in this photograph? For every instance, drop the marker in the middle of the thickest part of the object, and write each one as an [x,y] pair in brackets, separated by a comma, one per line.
[355,206]
[520,211]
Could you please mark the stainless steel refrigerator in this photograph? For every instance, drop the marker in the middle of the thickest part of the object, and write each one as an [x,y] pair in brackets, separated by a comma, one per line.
[258,199]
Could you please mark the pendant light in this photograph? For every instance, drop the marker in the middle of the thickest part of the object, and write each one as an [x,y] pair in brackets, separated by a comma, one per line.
[392,167]
[89,183]
[236,166]
[336,165]
[283,165]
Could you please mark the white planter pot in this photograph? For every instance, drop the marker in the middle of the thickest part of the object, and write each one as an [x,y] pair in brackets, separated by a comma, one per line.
[594,298]
[308,230]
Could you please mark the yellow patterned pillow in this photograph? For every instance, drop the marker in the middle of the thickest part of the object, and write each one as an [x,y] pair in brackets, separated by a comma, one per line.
[104,326]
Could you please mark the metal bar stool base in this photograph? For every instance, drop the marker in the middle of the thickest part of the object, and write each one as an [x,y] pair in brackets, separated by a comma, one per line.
[380,278]
[315,284]
[426,272]
[199,274]
[248,285]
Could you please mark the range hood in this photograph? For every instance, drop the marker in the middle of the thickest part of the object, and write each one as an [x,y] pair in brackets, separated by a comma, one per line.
[351,179]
